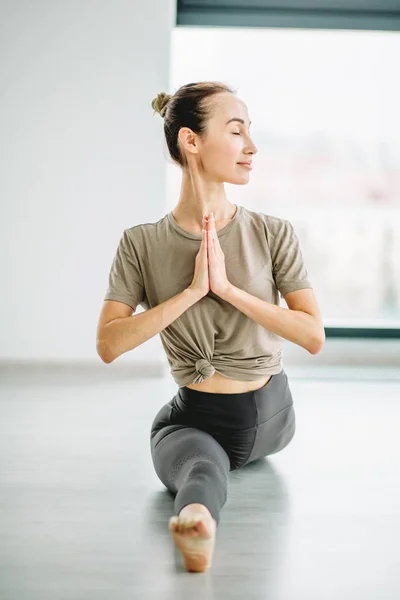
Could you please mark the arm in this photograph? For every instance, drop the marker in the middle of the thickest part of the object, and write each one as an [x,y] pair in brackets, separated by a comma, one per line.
[294,325]
[124,334]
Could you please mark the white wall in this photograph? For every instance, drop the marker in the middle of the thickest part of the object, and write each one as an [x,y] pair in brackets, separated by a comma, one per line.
[81,159]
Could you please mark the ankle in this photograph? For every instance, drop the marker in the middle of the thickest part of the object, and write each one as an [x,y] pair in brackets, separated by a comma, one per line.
[194,508]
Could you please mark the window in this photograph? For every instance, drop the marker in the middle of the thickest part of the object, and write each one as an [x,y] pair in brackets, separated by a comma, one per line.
[324,111]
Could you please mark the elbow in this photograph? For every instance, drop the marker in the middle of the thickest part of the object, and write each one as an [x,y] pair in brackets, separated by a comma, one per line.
[106,360]
[318,344]
[315,350]
[104,353]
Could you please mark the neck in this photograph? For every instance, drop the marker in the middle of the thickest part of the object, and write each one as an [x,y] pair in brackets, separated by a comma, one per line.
[192,207]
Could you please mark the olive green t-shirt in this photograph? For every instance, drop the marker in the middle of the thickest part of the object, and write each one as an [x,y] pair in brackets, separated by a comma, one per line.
[155,261]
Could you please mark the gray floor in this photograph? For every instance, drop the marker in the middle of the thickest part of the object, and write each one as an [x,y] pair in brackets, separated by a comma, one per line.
[83,514]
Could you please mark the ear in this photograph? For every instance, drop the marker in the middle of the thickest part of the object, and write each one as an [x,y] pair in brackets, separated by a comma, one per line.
[188,140]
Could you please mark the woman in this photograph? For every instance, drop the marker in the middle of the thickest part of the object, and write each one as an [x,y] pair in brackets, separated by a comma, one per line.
[208,274]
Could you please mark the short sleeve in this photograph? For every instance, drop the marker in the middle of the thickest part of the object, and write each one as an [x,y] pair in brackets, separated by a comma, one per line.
[125,281]
[289,271]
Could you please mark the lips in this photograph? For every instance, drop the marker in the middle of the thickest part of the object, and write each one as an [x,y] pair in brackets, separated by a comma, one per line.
[246,165]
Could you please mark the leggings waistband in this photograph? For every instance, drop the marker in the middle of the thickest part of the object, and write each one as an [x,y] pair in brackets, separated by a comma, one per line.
[236,411]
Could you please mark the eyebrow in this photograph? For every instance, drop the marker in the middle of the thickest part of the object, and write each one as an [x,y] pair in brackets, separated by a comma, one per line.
[237,119]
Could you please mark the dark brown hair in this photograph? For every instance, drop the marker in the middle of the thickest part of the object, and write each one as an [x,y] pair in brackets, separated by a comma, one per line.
[188,107]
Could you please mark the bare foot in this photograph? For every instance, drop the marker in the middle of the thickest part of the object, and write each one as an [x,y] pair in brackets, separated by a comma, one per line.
[194,532]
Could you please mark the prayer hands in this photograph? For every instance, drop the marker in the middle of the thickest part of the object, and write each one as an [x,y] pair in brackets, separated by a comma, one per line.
[219,283]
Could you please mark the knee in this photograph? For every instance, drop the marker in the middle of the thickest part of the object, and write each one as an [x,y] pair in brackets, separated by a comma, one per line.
[203,466]
[288,430]
[206,469]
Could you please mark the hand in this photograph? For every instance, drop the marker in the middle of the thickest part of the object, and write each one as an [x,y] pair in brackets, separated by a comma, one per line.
[200,283]
[219,283]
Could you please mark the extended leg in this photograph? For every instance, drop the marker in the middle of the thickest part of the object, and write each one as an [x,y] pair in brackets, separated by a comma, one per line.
[193,464]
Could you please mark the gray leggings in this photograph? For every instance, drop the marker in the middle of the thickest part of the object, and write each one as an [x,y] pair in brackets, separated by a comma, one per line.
[198,437]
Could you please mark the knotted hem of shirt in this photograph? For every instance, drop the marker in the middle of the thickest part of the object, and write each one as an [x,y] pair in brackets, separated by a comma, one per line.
[204,369]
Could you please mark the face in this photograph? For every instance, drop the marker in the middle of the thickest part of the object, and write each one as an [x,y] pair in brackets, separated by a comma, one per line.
[225,144]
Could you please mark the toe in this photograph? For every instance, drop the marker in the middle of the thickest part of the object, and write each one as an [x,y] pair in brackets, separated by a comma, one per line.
[174,524]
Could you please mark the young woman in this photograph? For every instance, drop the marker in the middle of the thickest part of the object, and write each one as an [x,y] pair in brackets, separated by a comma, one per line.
[209,274]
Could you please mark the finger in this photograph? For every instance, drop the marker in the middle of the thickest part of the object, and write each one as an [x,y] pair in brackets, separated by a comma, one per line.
[204,239]
[212,234]
[212,227]
[210,242]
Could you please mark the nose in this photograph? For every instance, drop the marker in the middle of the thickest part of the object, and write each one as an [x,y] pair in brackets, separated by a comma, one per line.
[253,149]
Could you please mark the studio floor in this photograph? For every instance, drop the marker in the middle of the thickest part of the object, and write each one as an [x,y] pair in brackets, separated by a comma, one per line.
[84,516]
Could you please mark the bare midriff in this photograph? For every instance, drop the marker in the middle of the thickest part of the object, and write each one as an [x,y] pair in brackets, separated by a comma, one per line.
[218,384]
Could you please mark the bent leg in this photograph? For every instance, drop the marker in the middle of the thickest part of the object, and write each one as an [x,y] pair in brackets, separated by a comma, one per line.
[274,435]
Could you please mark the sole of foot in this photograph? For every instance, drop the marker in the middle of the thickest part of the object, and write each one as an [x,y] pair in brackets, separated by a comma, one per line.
[194,535]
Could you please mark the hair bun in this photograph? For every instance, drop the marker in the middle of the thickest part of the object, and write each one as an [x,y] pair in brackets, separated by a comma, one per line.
[160,103]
